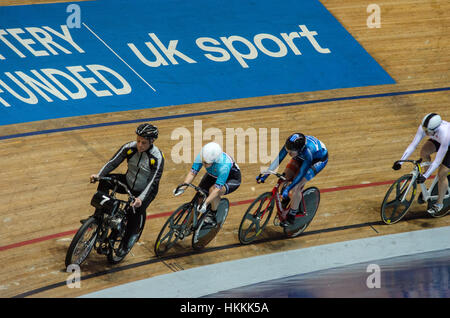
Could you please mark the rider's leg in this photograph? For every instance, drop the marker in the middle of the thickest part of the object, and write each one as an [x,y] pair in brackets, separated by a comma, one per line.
[291,170]
[210,218]
[427,149]
[297,194]
[206,185]
[215,202]
[136,222]
[311,173]
[442,189]
[443,183]
[232,184]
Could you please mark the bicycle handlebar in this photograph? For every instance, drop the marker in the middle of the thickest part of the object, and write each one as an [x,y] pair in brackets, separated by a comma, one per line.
[131,196]
[415,162]
[200,190]
[279,175]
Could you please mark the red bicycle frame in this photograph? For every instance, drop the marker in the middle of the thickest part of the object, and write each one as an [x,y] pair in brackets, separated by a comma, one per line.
[280,211]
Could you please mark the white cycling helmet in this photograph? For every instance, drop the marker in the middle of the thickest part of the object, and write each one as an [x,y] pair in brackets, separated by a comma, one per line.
[431,122]
[211,152]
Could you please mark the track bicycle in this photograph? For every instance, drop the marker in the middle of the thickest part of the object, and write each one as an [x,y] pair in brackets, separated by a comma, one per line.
[260,210]
[104,230]
[187,220]
[401,194]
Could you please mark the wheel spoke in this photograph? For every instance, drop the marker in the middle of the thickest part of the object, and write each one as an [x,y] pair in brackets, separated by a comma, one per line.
[250,216]
[84,245]
[249,229]
[255,218]
[260,206]
[168,235]
[393,212]
[398,199]
[405,203]
[173,230]
[394,202]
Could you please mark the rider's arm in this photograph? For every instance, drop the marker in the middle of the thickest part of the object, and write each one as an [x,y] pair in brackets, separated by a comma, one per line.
[417,138]
[274,165]
[196,166]
[445,142]
[116,160]
[190,177]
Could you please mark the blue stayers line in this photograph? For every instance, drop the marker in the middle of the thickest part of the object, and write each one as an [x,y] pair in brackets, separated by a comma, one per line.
[220,111]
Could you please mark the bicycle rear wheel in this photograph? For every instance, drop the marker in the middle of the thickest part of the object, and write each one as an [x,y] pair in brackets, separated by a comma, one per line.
[256,218]
[173,230]
[83,242]
[446,207]
[311,197]
[204,234]
[396,202]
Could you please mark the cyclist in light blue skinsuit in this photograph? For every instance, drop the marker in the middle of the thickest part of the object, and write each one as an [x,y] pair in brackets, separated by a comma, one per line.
[309,157]
[222,176]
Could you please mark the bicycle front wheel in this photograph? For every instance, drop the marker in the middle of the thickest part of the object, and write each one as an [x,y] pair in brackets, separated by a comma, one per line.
[83,242]
[256,218]
[173,230]
[398,199]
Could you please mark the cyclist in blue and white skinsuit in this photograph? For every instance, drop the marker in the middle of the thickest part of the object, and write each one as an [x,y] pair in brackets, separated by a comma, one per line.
[309,157]
[438,131]
[222,177]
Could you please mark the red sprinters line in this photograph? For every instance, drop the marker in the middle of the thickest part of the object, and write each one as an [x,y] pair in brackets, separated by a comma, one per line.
[164,214]
[37,240]
[357,186]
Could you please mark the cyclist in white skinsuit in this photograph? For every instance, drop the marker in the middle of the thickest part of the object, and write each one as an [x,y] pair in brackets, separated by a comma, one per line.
[438,132]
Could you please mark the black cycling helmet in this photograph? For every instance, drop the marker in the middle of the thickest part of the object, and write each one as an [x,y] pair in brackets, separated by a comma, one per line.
[147,131]
[295,142]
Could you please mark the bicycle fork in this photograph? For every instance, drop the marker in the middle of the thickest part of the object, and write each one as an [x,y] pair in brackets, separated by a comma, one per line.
[413,180]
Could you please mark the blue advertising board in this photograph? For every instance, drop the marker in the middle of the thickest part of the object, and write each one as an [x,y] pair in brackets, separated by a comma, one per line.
[93,57]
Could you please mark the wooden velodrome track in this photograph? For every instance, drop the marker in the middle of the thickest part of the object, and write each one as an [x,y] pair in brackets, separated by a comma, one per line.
[44,188]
